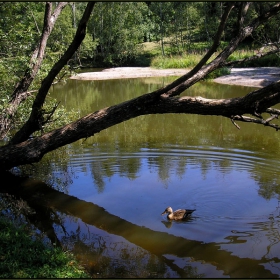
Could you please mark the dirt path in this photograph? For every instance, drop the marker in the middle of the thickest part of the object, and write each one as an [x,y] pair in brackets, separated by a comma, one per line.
[253,77]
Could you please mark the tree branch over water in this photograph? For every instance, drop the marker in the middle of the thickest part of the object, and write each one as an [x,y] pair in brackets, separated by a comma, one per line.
[254,103]
[23,149]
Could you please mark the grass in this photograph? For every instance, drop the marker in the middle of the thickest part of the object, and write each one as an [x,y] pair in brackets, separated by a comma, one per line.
[24,257]
[272,60]
[176,61]
[190,59]
[185,61]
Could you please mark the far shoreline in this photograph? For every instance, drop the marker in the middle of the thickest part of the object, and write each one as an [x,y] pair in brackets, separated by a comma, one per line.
[251,77]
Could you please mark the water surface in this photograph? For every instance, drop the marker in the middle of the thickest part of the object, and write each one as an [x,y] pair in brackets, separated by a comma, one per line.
[117,183]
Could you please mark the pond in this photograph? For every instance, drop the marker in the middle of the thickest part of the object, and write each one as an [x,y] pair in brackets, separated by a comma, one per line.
[109,190]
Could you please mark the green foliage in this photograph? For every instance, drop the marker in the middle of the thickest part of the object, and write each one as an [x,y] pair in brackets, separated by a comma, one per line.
[18,32]
[241,54]
[63,32]
[21,25]
[118,35]
[87,47]
[23,257]
[268,32]
[18,36]
[184,61]
[52,118]
[118,28]
[272,60]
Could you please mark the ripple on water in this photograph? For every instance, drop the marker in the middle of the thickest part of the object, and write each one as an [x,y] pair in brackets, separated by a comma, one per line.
[222,184]
[240,159]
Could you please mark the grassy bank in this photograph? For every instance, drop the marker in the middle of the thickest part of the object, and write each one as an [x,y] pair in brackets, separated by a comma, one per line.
[175,61]
[189,59]
[185,61]
[22,256]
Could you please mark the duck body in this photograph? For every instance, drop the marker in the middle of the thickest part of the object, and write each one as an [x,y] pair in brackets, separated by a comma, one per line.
[179,214]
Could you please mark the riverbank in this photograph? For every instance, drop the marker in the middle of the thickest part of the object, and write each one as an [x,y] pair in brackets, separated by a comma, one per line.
[25,257]
[128,73]
[252,77]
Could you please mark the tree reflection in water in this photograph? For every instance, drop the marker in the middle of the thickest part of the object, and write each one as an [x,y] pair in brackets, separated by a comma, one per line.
[111,246]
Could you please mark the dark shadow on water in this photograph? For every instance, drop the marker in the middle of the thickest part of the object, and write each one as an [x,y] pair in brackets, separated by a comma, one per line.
[47,202]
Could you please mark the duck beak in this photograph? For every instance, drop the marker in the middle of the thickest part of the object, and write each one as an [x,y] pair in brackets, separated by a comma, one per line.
[163,213]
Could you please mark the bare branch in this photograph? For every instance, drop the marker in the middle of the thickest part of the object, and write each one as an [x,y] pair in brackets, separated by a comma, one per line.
[257,121]
[176,87]
[234,123]
[162,101]
[273,111]
[38,30]
[271,118]
[50,114]
[38,54]
[244,6]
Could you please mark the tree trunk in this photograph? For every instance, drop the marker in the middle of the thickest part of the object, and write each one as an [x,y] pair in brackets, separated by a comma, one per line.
[33,150]
[21,91]
[23,150]
[34,122]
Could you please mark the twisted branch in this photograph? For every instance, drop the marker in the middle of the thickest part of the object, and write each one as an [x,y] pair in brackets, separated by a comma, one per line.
[266,122]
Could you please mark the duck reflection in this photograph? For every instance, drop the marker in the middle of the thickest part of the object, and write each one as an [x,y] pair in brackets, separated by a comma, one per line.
[169,223]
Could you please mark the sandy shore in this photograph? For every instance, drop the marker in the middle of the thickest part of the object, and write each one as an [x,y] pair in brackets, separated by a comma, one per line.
[129,72]
[253,77]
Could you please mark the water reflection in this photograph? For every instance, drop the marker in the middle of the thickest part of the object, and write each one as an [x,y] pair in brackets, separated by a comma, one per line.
[110,244]
[171,162]
[114,186]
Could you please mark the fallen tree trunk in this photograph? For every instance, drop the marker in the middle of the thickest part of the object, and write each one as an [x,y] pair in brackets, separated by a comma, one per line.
[254,103]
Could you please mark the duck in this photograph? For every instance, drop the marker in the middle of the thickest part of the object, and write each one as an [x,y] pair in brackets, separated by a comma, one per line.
[179,214]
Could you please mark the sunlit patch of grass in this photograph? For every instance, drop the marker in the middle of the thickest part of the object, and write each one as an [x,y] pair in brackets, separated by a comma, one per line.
[23,257]
[176,61]
[189,58]
[240,54]
[266,61]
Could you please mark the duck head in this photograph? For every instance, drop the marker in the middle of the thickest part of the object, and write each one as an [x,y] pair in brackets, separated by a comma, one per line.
[168,210]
